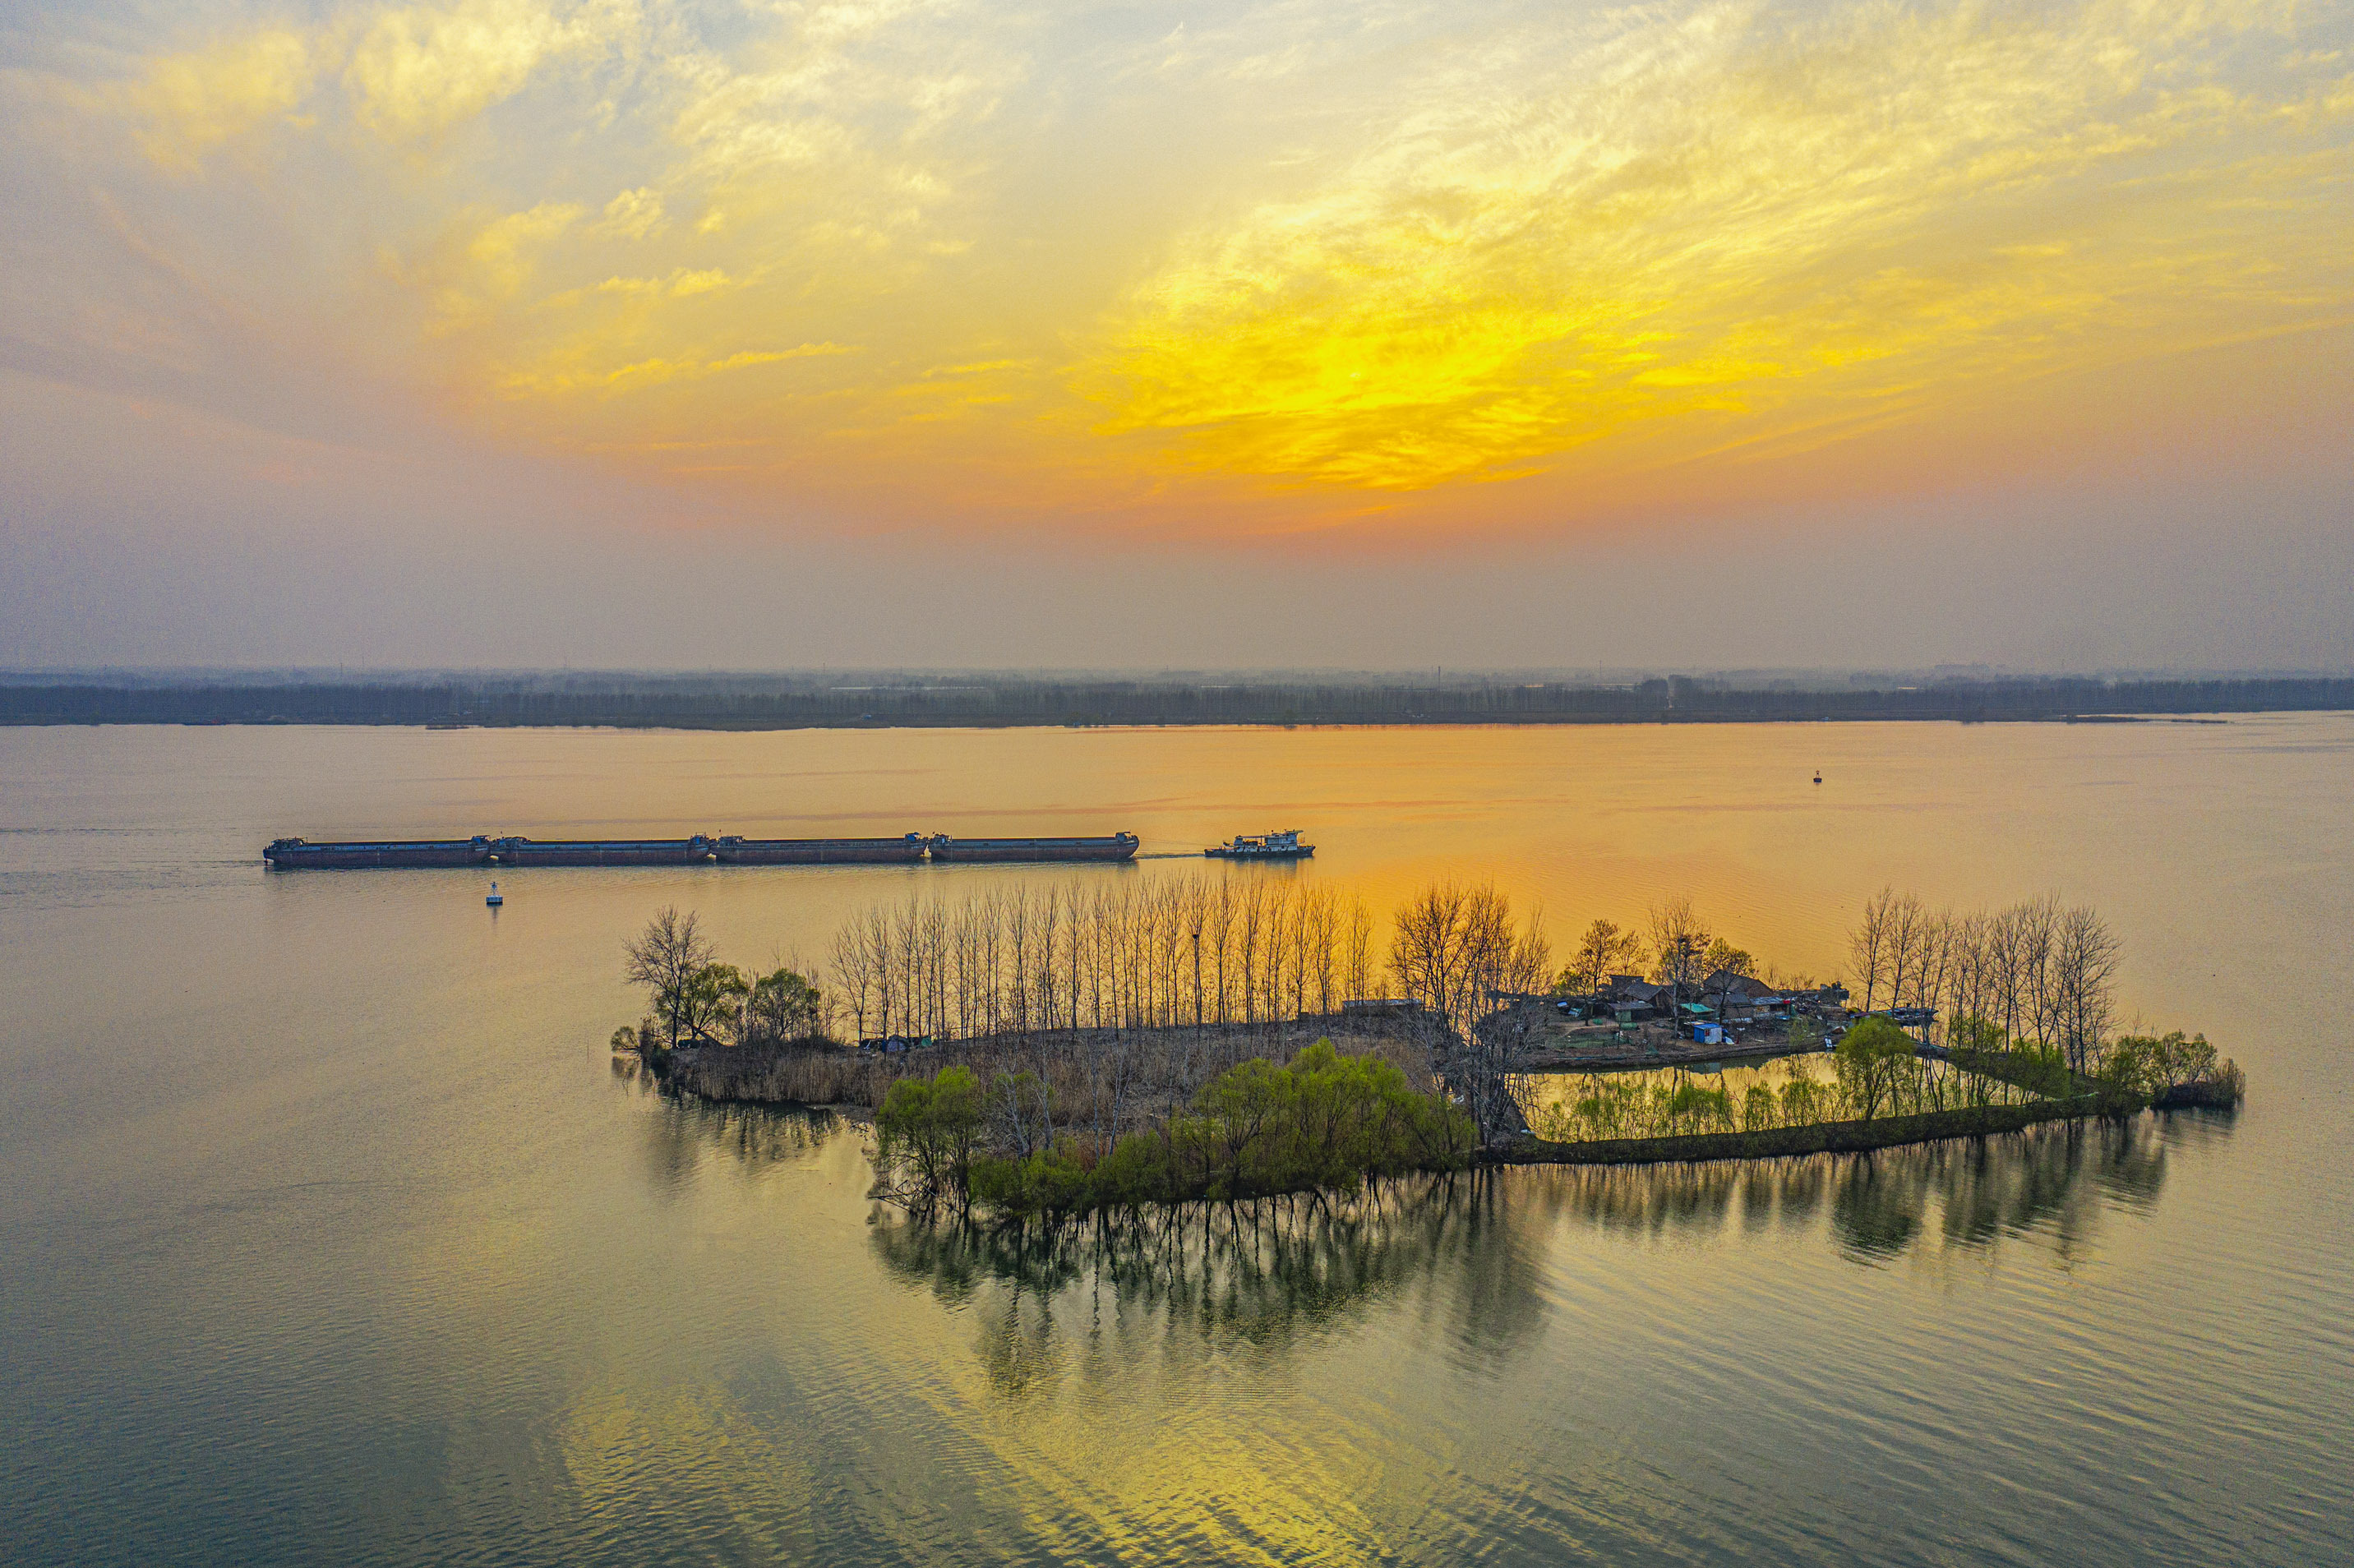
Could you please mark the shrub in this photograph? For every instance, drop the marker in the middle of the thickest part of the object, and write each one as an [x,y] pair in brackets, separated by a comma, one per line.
[2149,1065]
[1325,1121]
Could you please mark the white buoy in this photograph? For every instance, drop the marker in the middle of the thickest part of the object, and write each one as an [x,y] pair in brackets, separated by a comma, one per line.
[494,900]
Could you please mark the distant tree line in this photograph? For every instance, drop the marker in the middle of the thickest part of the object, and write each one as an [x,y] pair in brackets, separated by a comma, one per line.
[771,703]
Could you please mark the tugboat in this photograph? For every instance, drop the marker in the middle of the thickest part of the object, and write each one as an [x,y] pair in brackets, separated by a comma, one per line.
[1262,847]
[495,899]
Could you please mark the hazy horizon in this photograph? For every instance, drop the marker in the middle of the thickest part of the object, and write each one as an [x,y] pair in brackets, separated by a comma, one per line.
[1144,674]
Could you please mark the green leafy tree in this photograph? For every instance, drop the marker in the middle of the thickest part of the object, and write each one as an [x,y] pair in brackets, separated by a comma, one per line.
[2150,1065]
[711,1003]
[1874,1060]
[1802,1102]
[783,1006]
[926,1133]
[1325,1121]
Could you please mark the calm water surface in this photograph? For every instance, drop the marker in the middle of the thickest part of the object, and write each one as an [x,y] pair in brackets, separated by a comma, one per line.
[333,1233]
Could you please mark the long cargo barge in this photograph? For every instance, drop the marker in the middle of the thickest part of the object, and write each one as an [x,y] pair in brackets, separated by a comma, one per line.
[379,854]
[701,849]
[905,850]
[1118,846]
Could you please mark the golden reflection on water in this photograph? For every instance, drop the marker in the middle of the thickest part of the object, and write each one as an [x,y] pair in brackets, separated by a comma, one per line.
[1279,1276]
[326,1187]
[691,1448]
[1054,1336]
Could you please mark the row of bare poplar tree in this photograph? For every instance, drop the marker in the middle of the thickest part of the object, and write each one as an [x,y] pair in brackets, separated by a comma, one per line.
[1138,954]
[1026,959]
[1219,950]
[2039,971]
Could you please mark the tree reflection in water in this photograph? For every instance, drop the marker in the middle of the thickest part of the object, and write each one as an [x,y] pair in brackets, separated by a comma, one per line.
[1469,1254]
[1261,1277]
[2051,1180]
[685,1130]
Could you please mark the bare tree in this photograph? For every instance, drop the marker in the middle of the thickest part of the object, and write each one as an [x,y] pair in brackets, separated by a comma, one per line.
[1868,945]
[2006,944]
[1357,950]
[1904,916]
[2037,924]
[1430,951]
[1930,941]
[1599,952]
[854,968]
[2085,959]
[1451,949]
[883,958]
[1678,946]
[1050,940]
[1218,931]
[1249,930]
[666,958]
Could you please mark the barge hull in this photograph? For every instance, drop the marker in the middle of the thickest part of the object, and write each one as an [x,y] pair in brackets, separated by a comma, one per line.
[294,854]
[591,852]
[970,851]
[703,848]
[907,851]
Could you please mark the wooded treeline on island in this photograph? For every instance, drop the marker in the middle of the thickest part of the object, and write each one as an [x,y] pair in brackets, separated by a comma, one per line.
[1041,1047]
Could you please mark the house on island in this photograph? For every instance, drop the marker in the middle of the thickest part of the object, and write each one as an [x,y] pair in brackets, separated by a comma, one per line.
[1632,999]
[1732,997]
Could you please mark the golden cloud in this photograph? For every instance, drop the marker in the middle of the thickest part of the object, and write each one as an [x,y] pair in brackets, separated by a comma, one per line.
[417,72]
[1713,216]
[543,381]
[189,103]
[1274,259]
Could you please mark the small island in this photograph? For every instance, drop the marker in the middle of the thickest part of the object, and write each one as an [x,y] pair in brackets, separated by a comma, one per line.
[1044,1051]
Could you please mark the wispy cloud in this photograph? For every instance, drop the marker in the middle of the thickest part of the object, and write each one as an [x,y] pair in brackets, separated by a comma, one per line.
[1332,260]
[185,105]
[417,71]
[543,381]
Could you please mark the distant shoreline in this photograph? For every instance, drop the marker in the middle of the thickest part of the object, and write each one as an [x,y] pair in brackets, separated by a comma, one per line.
[737,704]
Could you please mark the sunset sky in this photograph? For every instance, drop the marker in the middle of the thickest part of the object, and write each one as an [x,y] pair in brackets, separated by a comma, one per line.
[1358,334]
